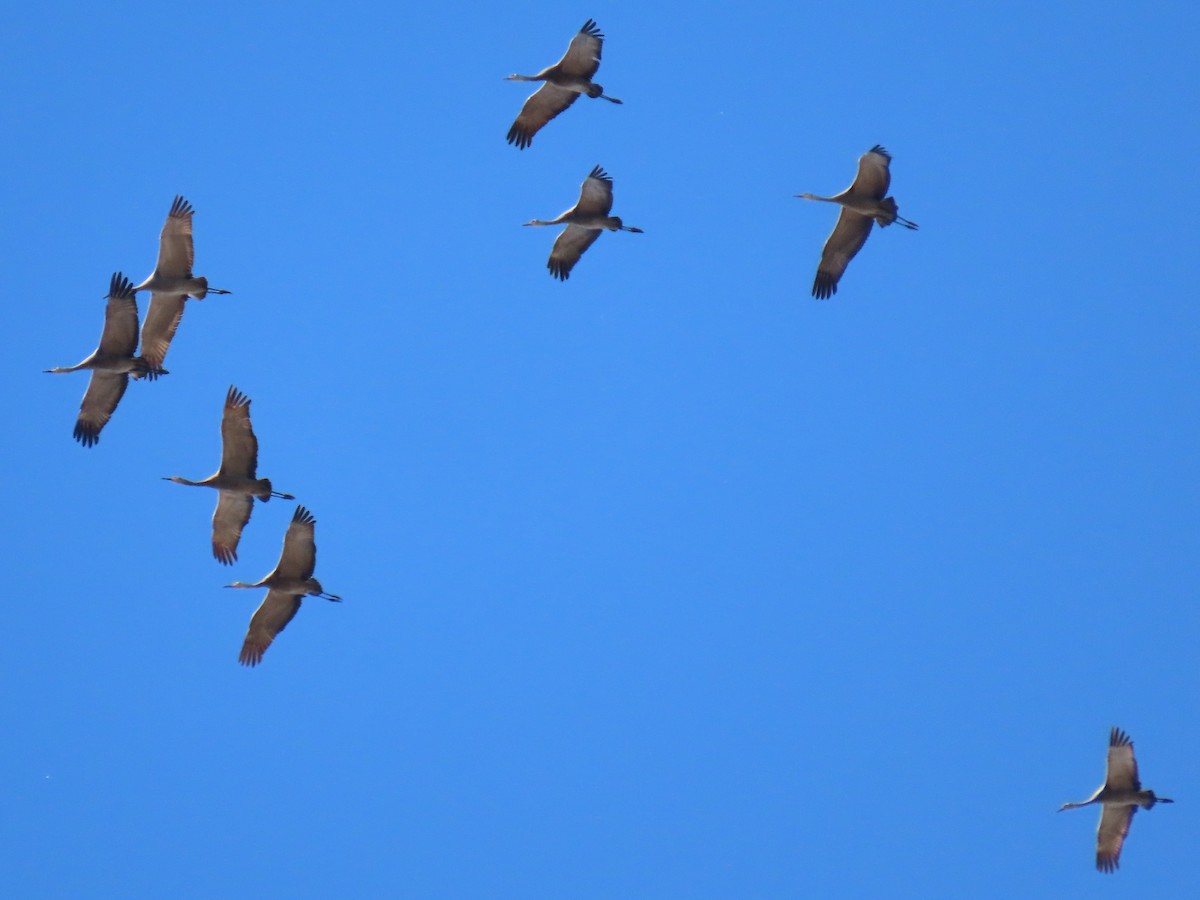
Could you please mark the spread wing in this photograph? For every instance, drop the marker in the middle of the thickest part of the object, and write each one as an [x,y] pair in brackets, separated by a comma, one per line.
[239,446]
[874,175]
[162,320]
[119,337]
[232,514]
[543,105]
[299,556]
[570,245]
[1122,771]
[1114,825]
[104,392]
[582,58]
[847,239]
[271,617]
[175,252]
[596,193]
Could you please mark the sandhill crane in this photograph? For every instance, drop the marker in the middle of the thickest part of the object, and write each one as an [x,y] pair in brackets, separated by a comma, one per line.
[1121,795]
[861,203]
[290,583]
[564,81]
[171,283]
[585,220]
[111,363]
[235,479]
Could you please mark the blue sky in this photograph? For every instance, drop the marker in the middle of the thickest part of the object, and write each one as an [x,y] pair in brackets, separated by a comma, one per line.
[665,581]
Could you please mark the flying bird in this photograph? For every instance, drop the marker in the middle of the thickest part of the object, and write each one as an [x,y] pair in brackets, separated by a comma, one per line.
[563,82]
[584,220]
[290,583]
[171,283]
[236,478]
[111,363]
[861,203]
[1120,795]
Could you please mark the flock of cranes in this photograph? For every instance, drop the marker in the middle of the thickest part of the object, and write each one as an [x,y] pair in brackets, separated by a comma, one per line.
[171,284]
[864,202]
[236,480]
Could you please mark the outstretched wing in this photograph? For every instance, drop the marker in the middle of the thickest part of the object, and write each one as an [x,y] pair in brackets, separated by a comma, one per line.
[847,239]
[543,105]
[239,446]
[570,245]
[271,617]
[104,392]
[162,320]
[582,58]
[1114,825]
[175,251]
[1122,771]
[596,193]
[232,514]
[874,175]
[120,335]
[299,556]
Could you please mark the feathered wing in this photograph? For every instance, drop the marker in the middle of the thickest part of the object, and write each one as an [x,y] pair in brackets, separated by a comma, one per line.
[299,557]
[847,239]
[1122,771]
[271,617]
[874,175]
[162,321]
[232,514]
[1114,825]
[596,193]
[104,392]
[175,250]
[120,335]
[567,249]
[239,446]
[543,105]
[582,58]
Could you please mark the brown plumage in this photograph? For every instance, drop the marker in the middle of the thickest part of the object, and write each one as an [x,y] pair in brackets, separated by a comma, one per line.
[236,479]
[171,283]
[1120,795]
[111,363]
[564,81]
[862,203]
[287,586]
[585,220]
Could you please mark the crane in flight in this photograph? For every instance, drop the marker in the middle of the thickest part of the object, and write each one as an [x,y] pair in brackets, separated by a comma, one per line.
[290,583]
[111,363]
[171,282]
[585,220]
[236,479]
[1120,796]
[862,203]
[563,82]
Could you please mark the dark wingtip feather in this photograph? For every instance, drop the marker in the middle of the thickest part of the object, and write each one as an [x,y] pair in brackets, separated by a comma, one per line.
[236,398]
[519,137]
[824,287]
[86,434]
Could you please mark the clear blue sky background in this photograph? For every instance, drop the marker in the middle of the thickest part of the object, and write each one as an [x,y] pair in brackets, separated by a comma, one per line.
[668,581]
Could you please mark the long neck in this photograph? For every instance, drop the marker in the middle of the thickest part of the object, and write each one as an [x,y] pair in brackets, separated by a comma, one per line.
[1076,805]
[557,221]
[525,78]
[178,479]
[58,370]
[817,197]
